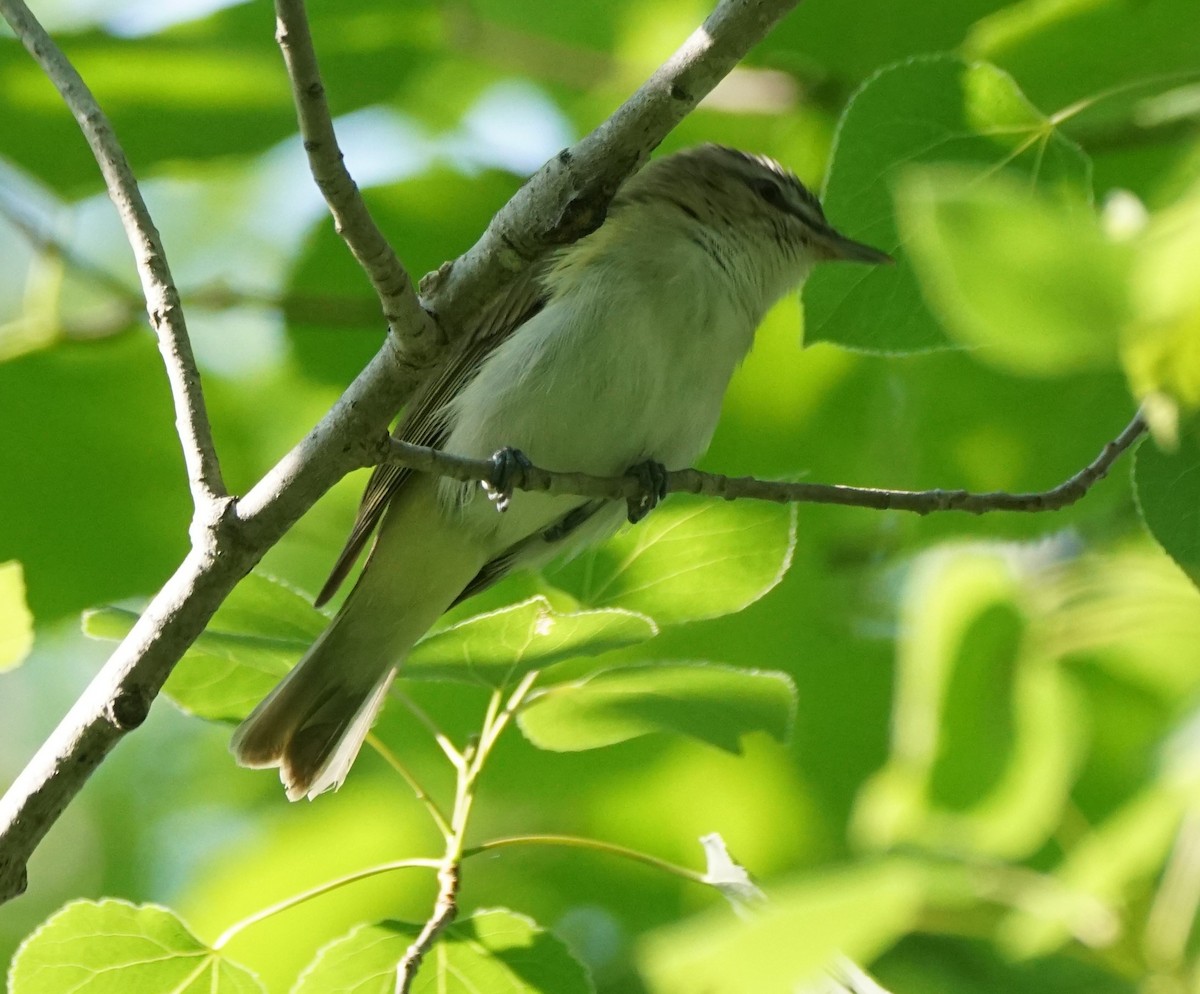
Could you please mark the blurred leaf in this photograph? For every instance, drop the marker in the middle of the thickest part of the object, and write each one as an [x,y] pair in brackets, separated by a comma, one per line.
[113,947]
[973,242]
[985,731]
[16,623]
[498,648]
[715,704]
[90,419]
[494,951]
[801,931]
[690,559]
[260,631]
[1102,868]
[852,41]
[1135,613]
[1068,50]
[1162,343]
[937,109]
[221,88]
[335,333]
[1168,493]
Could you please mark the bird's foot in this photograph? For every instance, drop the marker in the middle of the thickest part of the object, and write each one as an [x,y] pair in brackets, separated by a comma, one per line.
[652,477]
[508,465]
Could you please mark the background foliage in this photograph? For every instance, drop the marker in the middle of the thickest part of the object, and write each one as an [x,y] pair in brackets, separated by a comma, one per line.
[991,780]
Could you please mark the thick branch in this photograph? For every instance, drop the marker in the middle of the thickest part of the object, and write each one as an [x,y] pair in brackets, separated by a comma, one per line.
[693,481]
[419,337]
[158,287]
[353,434]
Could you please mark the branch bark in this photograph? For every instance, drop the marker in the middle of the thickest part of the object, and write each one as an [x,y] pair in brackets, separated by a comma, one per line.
[419,338]
[564,200]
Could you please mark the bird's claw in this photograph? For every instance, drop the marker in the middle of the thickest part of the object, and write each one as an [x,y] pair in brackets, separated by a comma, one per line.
[652,477]
[508,466]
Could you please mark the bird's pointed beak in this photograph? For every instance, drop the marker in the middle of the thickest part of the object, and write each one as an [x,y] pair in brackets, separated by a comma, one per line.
[838,246]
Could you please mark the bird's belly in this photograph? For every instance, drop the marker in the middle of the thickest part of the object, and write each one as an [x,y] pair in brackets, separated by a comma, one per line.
[597,397]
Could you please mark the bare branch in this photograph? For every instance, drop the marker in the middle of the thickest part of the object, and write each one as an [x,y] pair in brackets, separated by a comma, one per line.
[162,297]
[693,481]
[419,337]
[353,434]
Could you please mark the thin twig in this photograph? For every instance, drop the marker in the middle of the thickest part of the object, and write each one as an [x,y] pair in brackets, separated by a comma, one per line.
[418,336]
[162,298]
[693,481]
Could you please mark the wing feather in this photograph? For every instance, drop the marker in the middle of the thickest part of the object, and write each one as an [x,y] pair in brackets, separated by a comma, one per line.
[423,422]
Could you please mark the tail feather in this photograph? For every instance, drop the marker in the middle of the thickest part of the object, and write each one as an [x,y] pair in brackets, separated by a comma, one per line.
[313,724]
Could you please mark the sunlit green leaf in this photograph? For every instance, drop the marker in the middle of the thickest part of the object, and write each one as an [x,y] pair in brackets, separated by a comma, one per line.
[257,634]
[112,947]
[985,731]
[925,110]
[798,933]
[690,559]
[16,623]
[972,242]
[715,704]
[494,951]
[1162,343]
[499,647]
[1168,491]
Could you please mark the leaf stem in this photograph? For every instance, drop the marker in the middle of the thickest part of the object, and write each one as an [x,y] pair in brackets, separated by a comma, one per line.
[579,842]
[331,885]
[423,796]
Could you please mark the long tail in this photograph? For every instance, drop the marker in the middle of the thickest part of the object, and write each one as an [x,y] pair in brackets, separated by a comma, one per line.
[313,723]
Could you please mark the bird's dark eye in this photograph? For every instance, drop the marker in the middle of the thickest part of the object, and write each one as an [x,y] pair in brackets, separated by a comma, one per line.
[770,192]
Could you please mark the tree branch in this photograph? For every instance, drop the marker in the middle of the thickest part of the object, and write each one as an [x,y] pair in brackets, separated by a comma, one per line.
[569,195]
[418,336]
[693,481]
[209,495]
[354,433]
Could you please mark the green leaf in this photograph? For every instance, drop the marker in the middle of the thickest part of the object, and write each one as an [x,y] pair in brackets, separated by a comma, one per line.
[691,559]
[800,932]
[113,947]
[1168,494]
[1032,285]
[497,648]
[493,951]
[985,730]
[938,109]
[260,631]
[715,704]
[16,622]
[1162,343]
[1064,51]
